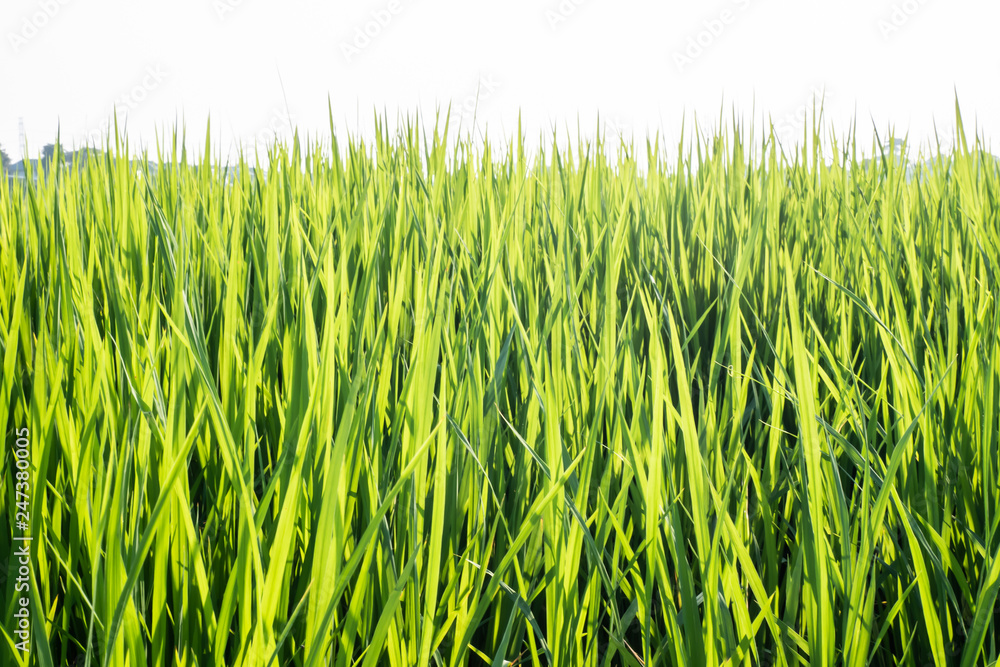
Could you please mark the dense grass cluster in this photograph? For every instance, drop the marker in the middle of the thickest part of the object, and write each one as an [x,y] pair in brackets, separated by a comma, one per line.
[411,404]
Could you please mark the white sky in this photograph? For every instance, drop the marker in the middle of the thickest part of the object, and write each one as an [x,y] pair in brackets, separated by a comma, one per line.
[68,63]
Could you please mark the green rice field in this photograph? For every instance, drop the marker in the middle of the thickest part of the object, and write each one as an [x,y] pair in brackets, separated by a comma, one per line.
[421,402]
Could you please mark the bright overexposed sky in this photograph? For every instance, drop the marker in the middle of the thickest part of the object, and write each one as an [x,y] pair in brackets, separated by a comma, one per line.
[259,67]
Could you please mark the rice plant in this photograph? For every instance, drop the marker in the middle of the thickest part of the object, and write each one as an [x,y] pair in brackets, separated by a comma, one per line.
[415,402]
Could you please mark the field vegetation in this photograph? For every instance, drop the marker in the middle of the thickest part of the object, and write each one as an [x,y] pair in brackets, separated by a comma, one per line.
[414,402]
